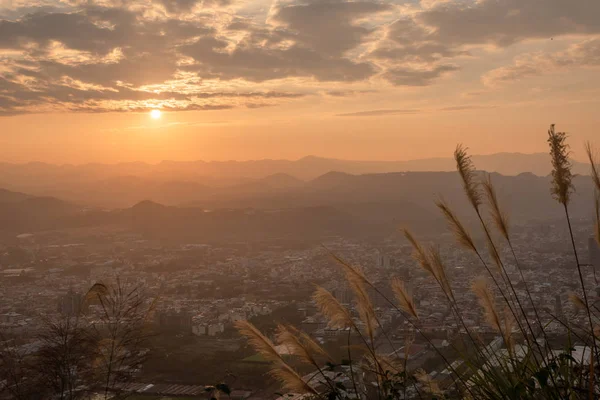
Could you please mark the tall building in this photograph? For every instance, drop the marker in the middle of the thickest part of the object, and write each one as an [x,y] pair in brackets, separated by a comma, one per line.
[558,309]
[70,303]
[175,321]
[594,250]
[382,260]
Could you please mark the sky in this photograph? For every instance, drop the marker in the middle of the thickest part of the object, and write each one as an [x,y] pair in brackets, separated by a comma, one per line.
[282,79]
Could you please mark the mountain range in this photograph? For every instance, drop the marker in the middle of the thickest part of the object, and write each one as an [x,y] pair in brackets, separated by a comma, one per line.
[283,207]
[179,183]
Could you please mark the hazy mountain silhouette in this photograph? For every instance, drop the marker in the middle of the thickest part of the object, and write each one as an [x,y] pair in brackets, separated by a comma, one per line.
[21,213]
[281,207]
[170,182]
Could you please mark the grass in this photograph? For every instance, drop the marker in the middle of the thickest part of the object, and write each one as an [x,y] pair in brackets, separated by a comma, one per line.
[526,367]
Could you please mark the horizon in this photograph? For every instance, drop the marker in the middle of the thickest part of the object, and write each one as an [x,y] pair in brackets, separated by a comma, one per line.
[309,156]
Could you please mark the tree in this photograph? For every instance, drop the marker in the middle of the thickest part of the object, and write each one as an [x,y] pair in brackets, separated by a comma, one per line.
[122,332]
[64,363]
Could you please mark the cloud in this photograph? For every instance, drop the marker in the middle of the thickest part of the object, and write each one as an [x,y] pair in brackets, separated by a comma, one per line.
[505,22]
[328,26]
[407,40]
[584,54]
[377,113]
[346,93]
[113,50]
[403,76]
[116,55]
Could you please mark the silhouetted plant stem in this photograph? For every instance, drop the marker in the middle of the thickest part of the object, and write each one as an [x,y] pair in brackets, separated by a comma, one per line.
[581,281]
[508,282]
[350,363]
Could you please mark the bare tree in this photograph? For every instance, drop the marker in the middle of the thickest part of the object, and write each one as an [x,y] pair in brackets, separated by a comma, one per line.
[122,330]
[65,361]
[16,378]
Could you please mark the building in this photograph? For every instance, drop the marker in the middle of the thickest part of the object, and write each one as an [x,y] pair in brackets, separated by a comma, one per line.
[343,294]
[175,321]
[382,260]
[70,303]
[215,329]
[199,329]
[558,309]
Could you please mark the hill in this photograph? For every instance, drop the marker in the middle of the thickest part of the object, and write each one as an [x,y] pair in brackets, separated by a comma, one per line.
[336,203]
[177,183]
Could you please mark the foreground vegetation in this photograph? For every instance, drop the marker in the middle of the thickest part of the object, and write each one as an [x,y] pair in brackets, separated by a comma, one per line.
[79,358]
[528,368]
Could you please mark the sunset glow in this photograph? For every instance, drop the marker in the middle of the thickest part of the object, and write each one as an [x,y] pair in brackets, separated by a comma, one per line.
[366,79]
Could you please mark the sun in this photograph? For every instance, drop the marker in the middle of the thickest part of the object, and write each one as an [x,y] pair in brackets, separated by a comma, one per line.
[155,114]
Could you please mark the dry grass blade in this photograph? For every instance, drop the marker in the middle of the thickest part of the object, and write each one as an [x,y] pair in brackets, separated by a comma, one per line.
[428,383]
[466,170]
[494,254]
[500,218]
[291,381]
[577,301]
[419,253]
[595,164]
[350,270]
[312,346]
[257,340]
[597,225]
[380,364]
[301,345]
[405,299]
[509,325]
[461,233]
[364,305]
[287,338]
[440,271]
[408,342]
[562,178]
[337,314]
[486,300]
[96,292]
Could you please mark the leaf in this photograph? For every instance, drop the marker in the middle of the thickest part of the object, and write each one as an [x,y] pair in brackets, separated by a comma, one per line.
[542,377]
[223,387]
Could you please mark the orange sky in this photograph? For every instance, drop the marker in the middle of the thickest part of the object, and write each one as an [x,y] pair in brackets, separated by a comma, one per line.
[258,79]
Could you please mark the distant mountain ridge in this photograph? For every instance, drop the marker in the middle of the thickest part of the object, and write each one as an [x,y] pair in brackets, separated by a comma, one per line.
[335,204]
[173,183]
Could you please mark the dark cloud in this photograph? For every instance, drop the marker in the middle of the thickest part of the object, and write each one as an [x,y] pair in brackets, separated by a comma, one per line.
[310,42]
[347,93]
[407,41]
[329,26]
[186,6]
[504,22]
[406,76]
[260,64]
[74,30]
